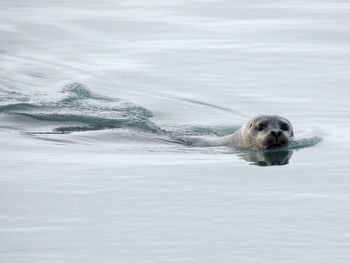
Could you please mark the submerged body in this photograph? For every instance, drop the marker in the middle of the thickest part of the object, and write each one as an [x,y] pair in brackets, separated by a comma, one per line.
[261,132]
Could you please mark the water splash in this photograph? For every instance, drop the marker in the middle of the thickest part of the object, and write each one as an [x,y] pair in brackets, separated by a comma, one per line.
[305,141]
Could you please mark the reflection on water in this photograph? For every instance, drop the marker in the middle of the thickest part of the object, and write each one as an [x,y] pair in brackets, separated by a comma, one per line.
[268,158]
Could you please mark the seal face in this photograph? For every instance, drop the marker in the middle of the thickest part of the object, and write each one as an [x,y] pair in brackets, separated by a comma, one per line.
[267,131]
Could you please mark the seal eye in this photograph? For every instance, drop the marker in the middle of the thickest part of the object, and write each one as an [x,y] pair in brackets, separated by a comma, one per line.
[261,127]
[284,127]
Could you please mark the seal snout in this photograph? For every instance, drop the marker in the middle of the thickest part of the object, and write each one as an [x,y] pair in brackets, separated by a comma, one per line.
[276,133]
[276,138]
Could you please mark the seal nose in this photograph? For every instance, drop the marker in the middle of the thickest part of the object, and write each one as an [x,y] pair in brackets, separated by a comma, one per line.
[276,133]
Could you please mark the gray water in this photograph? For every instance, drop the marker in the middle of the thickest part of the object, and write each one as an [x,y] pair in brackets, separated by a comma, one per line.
[93,93]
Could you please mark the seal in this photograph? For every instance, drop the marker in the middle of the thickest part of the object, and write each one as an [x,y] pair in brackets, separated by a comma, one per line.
[260,133]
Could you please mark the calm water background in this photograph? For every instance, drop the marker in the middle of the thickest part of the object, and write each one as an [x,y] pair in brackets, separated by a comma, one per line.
[114,191]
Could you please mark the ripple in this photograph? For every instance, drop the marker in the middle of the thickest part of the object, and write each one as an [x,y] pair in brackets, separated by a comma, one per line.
[79,109]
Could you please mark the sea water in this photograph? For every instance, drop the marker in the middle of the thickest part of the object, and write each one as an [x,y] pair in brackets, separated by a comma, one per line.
[94,94]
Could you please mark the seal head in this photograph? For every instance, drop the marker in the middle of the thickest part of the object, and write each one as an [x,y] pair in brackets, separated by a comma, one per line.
[266,132]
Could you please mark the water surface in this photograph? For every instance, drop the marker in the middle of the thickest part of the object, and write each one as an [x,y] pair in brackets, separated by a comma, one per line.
[93,92]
